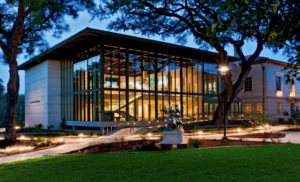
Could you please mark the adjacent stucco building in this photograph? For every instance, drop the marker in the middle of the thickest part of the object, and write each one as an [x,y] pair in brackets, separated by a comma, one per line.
[266,89]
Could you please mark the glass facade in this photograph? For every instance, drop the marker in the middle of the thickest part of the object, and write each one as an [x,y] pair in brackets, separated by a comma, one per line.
[113,83]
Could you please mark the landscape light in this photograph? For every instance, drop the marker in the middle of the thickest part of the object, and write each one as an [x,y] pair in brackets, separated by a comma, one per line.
[200,132]
[239,130]
[81,135]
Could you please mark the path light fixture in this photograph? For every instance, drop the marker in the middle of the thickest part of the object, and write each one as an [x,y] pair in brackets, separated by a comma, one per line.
[223,70]
[149,135]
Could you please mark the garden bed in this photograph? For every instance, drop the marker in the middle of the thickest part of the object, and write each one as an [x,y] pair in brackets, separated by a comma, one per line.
[292,129]
[152,145]
[125,146]
[261,135]
[24,146]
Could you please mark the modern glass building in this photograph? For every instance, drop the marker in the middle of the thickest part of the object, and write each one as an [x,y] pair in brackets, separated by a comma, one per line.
[108,77]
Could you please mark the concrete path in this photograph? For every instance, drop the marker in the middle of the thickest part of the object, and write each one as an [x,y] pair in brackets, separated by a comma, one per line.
[73,144]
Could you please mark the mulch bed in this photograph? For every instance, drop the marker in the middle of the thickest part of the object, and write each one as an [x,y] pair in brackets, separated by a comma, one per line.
[292,129]
[127,146]
[150,145]
[229,143]
[261,135]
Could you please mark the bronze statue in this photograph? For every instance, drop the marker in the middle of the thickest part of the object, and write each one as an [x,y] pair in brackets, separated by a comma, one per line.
[174,122]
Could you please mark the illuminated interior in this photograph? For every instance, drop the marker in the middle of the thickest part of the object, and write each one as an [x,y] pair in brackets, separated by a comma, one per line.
[111,83]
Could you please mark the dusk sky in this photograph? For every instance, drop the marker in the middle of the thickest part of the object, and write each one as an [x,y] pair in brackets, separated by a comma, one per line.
[83,22]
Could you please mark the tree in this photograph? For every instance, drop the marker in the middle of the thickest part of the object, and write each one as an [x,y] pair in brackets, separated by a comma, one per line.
[22,27]
[290,44]
[1,88]
[2,102]
[213,24]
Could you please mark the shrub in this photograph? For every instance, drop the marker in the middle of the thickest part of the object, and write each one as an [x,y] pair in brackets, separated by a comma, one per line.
[50,127]
[38,127]
[174,147]
[241,139]
[196,142]
[122,138]
[91,133]
[295,114]
[280,120]
[63,124]
[261,117]
[74,133]
[96,144]
[116,139]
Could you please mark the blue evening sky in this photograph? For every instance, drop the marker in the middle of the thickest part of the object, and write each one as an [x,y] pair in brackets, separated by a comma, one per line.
[83,22]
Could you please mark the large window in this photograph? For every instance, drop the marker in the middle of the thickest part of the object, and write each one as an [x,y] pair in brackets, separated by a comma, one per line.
[278,83]
[136,85]
[210,79]
[258,107]
[248,84]
[292,106]
[248,108]
[279,108]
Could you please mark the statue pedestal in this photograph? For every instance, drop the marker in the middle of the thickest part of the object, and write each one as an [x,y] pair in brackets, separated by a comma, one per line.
[173,137]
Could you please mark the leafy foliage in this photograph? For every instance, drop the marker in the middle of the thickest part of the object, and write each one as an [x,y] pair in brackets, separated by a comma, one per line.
[63,124]
[22,27]
[213,24]
[295,114]
[261,117]
[38,16]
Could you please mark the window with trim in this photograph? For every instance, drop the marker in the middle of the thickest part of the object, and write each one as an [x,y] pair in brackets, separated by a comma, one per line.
[292,106]
[278,83]
[292,87]
[258,107]
[248,84]
[248,108]
[279,107]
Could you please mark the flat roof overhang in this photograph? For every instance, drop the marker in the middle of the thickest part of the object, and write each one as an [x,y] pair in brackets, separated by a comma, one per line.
[89,37]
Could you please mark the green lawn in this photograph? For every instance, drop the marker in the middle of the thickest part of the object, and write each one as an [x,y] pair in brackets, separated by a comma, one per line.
[255,163]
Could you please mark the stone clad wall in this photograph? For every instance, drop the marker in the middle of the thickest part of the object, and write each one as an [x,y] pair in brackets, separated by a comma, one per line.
[42,94]
[54,93]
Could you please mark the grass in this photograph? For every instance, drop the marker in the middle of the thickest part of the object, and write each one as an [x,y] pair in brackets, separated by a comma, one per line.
[254,163]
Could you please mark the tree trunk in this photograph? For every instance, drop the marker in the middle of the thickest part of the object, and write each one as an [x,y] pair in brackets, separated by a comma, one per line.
[12,99]
[230,93]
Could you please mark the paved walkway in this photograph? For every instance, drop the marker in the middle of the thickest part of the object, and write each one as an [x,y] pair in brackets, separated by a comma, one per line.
[72,144]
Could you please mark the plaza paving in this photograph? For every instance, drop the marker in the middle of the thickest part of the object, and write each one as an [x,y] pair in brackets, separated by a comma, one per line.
[73,144]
